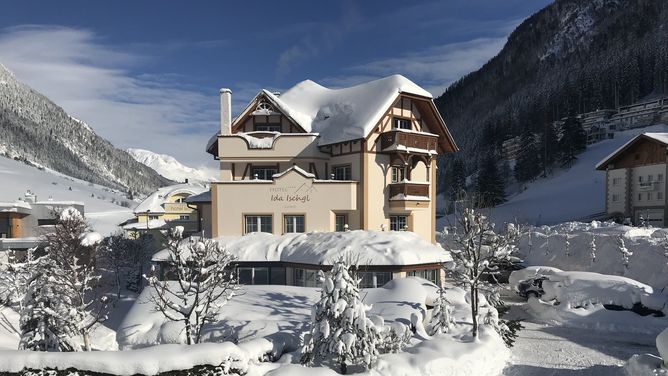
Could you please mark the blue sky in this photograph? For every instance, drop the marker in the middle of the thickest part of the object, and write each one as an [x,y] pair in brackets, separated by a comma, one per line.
[146,74]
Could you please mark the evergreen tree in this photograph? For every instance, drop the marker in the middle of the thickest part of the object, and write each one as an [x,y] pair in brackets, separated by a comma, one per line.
[527,167]
[490,186]
[458,187]
[441,317]
[340,330]
[573,141]
[548,147]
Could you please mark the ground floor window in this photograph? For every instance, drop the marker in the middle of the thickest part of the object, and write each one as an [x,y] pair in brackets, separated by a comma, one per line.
[373,279]
[430,275]
[293,223]
[306,278]
[261,275]
[184,217]
[398,223]
[5,228]
[340,222]
[258,223]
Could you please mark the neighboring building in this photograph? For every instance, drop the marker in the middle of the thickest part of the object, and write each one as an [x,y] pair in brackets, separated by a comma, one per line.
[296,259]
[319,159]
[23,222]
[640,114]
[636,180]
[596,125]
[166,208]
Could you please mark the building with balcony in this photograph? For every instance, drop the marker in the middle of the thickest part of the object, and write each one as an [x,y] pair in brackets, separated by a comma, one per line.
[320,159]
[166,208]
[636,180]
[24,221]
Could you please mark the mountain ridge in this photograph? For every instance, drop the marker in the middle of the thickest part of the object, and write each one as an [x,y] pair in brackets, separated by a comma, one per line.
[169,167]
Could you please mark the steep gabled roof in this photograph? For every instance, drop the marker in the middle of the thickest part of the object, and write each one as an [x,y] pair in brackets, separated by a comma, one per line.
[654,136]
[345,114]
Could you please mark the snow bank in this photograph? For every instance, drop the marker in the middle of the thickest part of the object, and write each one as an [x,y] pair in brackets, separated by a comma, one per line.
[148,361]
[568,246]
[324,248]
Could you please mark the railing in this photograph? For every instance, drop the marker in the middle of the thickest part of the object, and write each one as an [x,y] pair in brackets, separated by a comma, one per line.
[177,207]
[648,186]
[408,141]
[409,189]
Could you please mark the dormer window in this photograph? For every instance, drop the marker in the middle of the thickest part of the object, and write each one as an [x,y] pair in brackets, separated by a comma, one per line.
[399,123]
[267,123]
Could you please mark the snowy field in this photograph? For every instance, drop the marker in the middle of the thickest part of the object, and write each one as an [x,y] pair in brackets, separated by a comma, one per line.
[17,177]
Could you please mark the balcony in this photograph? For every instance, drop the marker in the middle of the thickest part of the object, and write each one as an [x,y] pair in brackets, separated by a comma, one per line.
[408,141]
[648,186]
[409,191]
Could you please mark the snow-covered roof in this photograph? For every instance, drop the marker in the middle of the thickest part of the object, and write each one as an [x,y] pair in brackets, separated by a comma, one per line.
[154,202]
[153,224]
[324,248]
[661,137]
[338,115]
[16,206]
[202,197]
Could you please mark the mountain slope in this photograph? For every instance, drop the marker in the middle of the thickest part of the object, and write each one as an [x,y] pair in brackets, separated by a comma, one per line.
[573,56]
[169,167]
[34,129]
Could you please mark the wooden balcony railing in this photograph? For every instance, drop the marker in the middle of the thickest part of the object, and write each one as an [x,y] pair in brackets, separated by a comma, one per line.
[398,140]
[177,207]
[409,189]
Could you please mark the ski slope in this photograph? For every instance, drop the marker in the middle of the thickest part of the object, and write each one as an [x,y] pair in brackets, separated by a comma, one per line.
[103,215]
[568,194]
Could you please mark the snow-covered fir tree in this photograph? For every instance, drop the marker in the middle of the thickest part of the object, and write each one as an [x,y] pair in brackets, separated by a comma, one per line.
[62,300]
[527,166]
[567,246]
[478,251]
[441,318]
[202,282]
[340,330]
[490,186]
[573,141]
[623,251]
[592,248]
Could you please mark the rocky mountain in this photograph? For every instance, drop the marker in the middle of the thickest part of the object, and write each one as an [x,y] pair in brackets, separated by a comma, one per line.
[171,168]
[571,57]
[35,130]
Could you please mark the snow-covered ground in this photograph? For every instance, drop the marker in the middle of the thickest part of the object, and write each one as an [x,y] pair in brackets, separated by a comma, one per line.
[17,177]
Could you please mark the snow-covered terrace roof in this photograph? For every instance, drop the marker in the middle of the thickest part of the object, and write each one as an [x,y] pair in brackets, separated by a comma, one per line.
[339,115]
[661,137]
[153,224]
[155,201]
[15,207]
[202,197]
[392,248]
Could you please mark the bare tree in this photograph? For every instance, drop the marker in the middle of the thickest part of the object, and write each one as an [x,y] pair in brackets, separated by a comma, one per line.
[202,282]
[477,252]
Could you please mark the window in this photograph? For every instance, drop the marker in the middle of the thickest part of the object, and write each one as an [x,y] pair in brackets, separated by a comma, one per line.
[398,223]
[649,196]
[152,217]
[258,223]
[341,172]
[659,177]
[293,223]
[253,275]
[264,173]
[650,178]
[48,222]
[267,127]
[659,195]
[5,228]
[639,179]
[180,200]
[340,222]
[398,174]
[616,181]
[615,197]
[430,275]
[373,279]
[185,217]
[306,278]
[639,196]
[400,123]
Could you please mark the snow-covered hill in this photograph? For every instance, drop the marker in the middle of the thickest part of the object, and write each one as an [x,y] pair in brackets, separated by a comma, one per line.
[567,195]
[104,208]
[34,129]
[169,167]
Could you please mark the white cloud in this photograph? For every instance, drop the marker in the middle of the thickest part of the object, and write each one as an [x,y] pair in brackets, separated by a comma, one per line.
[93,82]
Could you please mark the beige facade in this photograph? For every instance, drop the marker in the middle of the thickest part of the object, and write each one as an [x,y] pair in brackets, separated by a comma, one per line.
[636,180]
[279,175]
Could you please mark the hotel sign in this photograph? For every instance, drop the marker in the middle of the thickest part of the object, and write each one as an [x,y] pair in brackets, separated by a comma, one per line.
[292,195]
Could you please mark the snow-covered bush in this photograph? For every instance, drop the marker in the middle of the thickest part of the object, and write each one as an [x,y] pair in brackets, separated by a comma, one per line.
[441,319]
[62,298]
[477,250]
[203,283]
[340,330]
[125,258]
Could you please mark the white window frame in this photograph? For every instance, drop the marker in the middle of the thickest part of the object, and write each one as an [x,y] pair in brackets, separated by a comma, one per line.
[398,174]
[398,222]
[260,221]
[291,223]
[401,123]
[342,172]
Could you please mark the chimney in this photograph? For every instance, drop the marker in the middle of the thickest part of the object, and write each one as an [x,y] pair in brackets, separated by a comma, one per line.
[225,111]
